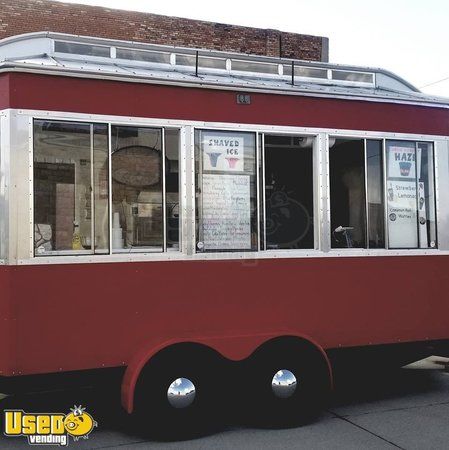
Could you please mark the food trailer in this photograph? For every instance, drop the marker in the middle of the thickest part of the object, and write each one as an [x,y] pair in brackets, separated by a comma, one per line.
[204,219]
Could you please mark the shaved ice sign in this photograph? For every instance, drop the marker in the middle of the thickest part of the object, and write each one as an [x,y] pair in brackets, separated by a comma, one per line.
[223,153]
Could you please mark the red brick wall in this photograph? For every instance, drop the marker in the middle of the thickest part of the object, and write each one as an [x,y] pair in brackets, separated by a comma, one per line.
[25,16]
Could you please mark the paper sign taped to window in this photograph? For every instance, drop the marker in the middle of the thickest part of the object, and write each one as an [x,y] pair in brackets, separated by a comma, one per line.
[402,215]
[223,153]
[226,212]
[401,163]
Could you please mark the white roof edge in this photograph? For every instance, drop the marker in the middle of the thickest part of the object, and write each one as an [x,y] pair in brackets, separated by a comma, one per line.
[149,46]
[42,39]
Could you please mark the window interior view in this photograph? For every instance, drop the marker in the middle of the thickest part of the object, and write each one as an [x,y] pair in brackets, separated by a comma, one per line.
[288,192]
[347,193]
[172,188]
[70,171]
[375,193]
[72,198]
[138,189]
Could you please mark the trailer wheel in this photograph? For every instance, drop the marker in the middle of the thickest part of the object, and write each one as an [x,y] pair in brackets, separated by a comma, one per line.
[176,395]
[288,383]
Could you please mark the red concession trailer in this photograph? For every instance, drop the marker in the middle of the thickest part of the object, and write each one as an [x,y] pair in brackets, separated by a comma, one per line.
[176,213]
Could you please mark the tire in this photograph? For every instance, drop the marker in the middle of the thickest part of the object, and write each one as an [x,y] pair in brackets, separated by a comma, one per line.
[162,416]
[297,404]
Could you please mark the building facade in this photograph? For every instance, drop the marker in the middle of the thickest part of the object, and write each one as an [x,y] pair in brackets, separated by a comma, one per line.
[26,16]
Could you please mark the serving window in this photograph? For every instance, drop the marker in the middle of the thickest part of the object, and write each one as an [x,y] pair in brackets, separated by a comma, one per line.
[411,195]
[84,206]
[70,188]
[287,174]
[382,204]
[241,207]
[115,189]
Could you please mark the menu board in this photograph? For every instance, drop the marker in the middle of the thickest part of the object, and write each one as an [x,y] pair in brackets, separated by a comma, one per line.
[226,212]
[402,217]
[401,195]
[222,153]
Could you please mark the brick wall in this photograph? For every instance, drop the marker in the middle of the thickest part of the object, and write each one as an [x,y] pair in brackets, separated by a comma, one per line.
[25,16]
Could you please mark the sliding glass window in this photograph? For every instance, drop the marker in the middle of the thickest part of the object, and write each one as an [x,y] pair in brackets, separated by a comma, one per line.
[356,193]
[411,195]
[145,189]
[288,186]
[83,206]
[71,213]
[382,204]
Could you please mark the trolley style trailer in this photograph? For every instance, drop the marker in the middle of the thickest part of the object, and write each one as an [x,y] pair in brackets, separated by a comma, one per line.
[177,212]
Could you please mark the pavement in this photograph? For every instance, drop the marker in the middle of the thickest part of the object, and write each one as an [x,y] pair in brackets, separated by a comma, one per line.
[406,409]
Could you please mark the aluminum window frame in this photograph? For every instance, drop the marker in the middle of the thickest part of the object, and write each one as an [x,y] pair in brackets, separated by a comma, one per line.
[20,232]
[109,126]
[196,186]
[435,202]
[397,137]
[4,186]
[316,188]
[85,252]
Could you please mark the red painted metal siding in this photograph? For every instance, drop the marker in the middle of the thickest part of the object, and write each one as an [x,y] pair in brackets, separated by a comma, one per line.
[4,91]
[83,316]
[70,317]
[45,92]
[7,325]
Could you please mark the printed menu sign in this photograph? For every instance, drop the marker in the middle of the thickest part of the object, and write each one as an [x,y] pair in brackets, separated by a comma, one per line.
[226,212]
[223,153]
[401,195]
[402,218]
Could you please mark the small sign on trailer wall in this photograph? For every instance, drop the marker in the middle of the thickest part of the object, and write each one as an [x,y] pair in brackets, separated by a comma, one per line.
[243,99]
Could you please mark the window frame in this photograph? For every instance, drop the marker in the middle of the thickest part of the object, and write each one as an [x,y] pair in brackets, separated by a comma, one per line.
[86,252]
[260,188]
[394,137]
[197,184]
[109,124]
[435,195]
[315,191]
[18,123]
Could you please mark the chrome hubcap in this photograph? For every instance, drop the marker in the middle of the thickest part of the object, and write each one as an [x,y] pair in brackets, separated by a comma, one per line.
[181,393]
[284,383]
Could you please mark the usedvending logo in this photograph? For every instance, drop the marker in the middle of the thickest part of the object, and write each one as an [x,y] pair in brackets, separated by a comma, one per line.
[49,429]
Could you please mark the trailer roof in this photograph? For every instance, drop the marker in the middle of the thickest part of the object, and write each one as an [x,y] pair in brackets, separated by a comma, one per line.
[63,54]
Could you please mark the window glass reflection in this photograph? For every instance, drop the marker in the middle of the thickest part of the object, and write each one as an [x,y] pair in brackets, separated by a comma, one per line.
[375,194]
[70,173]
[137,211]
[347,193]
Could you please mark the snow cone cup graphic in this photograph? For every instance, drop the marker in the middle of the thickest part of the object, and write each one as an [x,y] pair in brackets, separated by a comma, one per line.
[404,167]
[213,156]
[232,162]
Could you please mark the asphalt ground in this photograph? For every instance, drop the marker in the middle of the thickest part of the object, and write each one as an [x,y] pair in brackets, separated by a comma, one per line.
[406,408]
